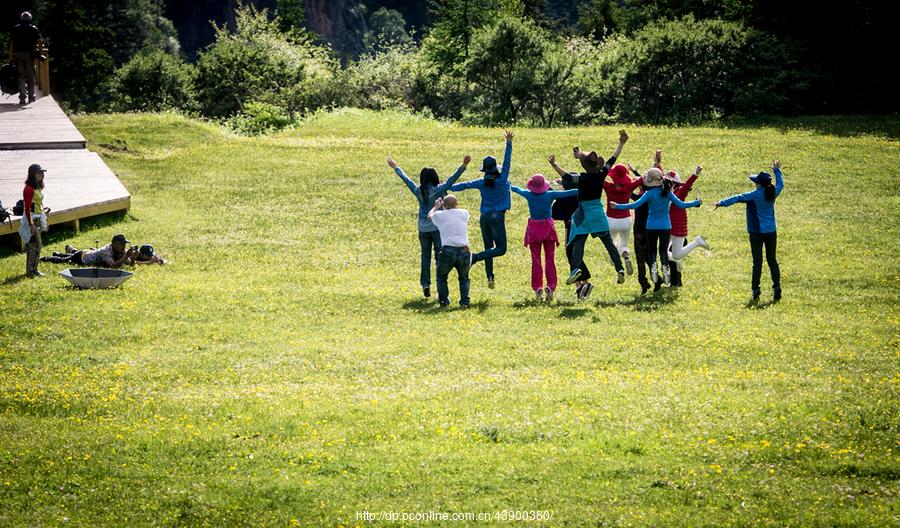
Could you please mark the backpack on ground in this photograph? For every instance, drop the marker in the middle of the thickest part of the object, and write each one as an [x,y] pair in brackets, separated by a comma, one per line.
[19,208]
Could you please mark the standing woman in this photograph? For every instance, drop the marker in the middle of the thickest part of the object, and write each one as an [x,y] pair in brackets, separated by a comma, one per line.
[429,189]
[761,225]
[34,220]
[659,225]
[495,202]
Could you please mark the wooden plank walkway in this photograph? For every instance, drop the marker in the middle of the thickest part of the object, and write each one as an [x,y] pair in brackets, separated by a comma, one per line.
[78,184]
[39,125]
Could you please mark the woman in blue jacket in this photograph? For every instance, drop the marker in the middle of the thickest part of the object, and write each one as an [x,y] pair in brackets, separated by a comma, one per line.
[429,189]
[495,202]
[658,196]
[761,225]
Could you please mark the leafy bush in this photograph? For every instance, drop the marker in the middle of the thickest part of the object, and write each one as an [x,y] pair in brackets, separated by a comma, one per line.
[385,79]
[152,81]
[685,70]
[255,63]
[260,118]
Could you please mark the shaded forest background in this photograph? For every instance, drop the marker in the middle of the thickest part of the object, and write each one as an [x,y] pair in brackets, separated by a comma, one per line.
[262,63]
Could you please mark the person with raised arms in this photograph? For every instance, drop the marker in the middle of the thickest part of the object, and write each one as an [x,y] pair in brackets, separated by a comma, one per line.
[429,189]
[761,225]
[495,201]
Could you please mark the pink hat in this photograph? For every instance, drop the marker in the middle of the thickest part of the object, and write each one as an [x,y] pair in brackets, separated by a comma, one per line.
[538,184]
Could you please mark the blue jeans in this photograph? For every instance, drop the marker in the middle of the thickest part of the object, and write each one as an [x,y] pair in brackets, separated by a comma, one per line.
[428,240]
[450,258]
[493,233]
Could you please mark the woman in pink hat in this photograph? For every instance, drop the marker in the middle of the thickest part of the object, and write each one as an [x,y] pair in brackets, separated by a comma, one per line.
[540,233]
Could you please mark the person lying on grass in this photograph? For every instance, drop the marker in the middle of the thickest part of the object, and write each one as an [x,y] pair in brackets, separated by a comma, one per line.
[146,255]
[112,255]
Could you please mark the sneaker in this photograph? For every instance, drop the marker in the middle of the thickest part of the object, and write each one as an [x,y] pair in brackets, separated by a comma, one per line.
[443,304]
[491,283]
[621,279]
[576,273]
[586,290]
[628,266]
[644,288]
[702,242]
[776,294]
[755,297]
[657,286]
[654,274]
[21,101]
[426,291]
[31,99]
[539,294]
[548,295]
[35,274]
[667,276]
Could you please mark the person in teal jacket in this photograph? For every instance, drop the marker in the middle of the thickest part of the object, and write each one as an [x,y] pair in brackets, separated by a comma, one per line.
[761,225]
[429,189]
[495,201]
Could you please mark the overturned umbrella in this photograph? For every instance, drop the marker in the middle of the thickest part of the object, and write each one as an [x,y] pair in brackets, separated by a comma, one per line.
[95,278]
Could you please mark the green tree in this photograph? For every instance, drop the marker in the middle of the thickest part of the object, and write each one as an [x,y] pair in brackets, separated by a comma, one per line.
[152,81]
[598,19]
[387,28]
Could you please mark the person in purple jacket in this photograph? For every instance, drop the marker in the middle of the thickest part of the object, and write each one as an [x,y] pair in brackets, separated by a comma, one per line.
[761,225]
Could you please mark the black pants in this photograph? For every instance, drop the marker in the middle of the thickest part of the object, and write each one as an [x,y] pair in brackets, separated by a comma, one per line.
[658,238]
[640,256]
[65,258]
[578,252]
[757,242]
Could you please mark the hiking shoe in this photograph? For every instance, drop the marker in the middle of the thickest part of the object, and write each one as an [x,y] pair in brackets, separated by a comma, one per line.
[667,276]
[644,287]
[628,266]
[539,294]
[702,242]
[755,297]
[35,274]
[657,286]
[654,274]
[491,283]
[426,291]
[621,278]
[586,290]
[443,304]
[776,294]
[574,276]
[548,295]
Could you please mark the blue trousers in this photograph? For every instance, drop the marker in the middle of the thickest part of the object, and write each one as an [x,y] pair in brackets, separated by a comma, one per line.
[429,241]
[453,258]
[493,233]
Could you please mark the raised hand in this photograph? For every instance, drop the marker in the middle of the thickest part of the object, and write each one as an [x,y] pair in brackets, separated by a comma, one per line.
[391,163]
[698,169]
[657,156]
[716,205]
[466,160]
[623,136]
[552,159]
[508,135]
[776,164]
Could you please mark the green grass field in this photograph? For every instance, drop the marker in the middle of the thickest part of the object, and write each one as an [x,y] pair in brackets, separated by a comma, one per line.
[284,369]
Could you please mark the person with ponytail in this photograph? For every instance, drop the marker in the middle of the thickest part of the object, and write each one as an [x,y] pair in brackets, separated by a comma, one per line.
[761,225]
[429,189]
[34,219]
[495,201]
[679,246]
[659,225]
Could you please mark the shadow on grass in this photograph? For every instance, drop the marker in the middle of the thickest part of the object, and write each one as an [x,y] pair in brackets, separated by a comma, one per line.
[427,306]
[13,279]
[756,305]
[649,302]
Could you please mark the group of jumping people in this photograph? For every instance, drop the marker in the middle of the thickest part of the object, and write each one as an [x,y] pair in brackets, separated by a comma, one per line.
[659,223]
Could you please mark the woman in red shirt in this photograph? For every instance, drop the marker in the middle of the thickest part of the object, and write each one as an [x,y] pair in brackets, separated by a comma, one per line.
[34,220]
[618,189]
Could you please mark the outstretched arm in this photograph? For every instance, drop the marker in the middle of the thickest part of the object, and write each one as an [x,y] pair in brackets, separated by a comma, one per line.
[731,200]
[779,179]
[633,205]
[559,170]
[507,155]
[623,137]
[678,203]
[452,179]
[409,183]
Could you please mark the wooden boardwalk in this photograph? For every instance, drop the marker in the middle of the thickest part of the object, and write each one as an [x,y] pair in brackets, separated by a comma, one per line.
[78,182]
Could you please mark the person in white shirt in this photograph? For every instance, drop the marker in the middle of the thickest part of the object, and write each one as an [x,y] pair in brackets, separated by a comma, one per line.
[453,224]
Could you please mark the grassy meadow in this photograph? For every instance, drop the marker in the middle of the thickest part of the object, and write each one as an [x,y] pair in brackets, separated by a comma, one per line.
[284,369]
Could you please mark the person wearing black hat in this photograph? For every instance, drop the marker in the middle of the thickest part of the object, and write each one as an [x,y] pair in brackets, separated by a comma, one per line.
[495,201]
[761,225]
[146,255]
[23,45]
[34,219]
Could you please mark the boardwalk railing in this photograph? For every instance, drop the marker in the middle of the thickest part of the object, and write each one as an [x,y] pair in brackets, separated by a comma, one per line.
[42,70]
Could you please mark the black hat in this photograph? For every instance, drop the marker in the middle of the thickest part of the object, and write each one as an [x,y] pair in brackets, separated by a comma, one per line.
[121,238]
[146,250]
[34,168]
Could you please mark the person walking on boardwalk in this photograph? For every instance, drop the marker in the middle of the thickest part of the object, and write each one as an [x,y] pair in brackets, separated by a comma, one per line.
[541,233]
[429,189]
[34,219]
[23,46]
[761,225]
[495,201]
[453,224]
[590,219]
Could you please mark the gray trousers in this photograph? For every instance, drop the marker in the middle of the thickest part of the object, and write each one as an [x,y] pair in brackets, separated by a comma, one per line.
[25,68]
[33,251]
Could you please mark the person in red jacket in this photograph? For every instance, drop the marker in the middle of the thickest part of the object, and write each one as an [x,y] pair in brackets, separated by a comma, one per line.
[618,188]
[34,219]
[679,248]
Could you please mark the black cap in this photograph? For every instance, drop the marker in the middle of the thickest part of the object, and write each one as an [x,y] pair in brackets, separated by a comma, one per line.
[146,250]
[34,168]
[121,238]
